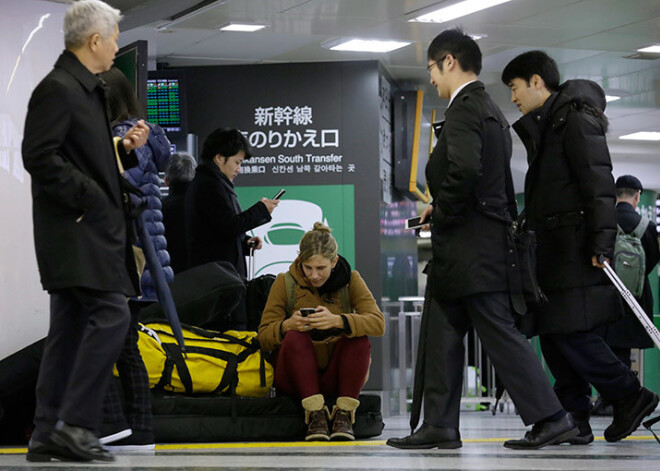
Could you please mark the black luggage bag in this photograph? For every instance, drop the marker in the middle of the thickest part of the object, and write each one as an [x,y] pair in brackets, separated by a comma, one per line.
[18,380]
[203,295]
[181,419]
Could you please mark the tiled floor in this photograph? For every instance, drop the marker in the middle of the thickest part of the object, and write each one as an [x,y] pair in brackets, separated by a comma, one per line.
[482,433]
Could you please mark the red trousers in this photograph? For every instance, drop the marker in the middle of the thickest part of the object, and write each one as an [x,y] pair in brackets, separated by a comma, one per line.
[297,372]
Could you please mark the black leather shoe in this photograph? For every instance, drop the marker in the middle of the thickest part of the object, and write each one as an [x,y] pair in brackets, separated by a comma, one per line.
[429,436]
[585,435]
[629,413]
[81,442]
[43,452]
[549,433]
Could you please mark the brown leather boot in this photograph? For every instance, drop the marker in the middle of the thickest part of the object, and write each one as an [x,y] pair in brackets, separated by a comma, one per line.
[316,418]
[343,418]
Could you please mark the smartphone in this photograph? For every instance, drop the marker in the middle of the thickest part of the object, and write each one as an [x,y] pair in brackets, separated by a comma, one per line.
[414,223]
[306,311]
[279,194]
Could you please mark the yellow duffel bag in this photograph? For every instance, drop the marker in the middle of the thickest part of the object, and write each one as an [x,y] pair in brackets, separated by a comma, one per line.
[214,362]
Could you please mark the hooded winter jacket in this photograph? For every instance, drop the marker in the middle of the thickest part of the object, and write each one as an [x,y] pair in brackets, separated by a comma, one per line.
[570,203]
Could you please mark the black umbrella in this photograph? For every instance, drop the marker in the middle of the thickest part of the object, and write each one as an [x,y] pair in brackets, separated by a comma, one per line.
[420,366]
[162,289]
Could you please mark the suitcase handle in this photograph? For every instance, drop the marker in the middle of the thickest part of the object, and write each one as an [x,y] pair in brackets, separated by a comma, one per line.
[637,310]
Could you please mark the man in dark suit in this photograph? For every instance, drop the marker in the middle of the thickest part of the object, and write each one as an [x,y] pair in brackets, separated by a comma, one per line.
[80,234]
[179,172]
[570,204]
[471,214]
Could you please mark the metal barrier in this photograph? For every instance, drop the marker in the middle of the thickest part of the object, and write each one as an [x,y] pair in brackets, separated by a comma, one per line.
[478,376]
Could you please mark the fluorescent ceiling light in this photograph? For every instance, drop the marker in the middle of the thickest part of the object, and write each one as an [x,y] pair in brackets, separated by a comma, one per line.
[655,49]
[368,45]
[609,98]
[242,27]
[464,8]
[642,136]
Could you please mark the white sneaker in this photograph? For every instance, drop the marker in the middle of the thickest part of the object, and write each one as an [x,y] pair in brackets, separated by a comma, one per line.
[116,436]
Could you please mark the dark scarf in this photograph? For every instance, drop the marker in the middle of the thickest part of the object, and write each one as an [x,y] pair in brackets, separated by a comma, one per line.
[340,276]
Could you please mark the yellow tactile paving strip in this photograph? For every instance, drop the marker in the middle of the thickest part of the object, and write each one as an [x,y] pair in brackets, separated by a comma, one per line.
[216,446]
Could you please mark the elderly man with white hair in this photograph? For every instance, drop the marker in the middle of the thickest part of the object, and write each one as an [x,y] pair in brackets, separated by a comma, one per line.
[80,234]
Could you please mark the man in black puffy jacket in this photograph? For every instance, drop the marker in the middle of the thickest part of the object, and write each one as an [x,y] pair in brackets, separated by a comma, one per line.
[570,203]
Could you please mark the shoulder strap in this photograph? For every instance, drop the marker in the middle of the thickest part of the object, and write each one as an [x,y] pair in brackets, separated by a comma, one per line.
[345,296]
[641,227]
[290,285]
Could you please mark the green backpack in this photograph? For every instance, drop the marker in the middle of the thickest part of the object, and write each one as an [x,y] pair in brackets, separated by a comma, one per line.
[629,260]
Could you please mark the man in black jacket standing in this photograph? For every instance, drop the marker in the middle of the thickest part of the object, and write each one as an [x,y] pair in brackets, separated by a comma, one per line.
[570,203]
[468,174]
[84,256]
[629,333]
[216,225]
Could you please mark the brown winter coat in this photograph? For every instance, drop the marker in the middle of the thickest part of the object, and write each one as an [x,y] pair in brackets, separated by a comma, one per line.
[365,320]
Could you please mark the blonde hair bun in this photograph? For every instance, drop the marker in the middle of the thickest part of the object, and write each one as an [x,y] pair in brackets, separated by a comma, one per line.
[319,226]
[318,241]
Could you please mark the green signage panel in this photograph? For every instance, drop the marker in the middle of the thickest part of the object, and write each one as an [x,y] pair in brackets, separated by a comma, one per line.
[299,208]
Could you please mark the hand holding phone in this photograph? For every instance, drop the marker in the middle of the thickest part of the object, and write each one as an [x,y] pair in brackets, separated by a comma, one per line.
[279,194]
[306,311]
[414,223]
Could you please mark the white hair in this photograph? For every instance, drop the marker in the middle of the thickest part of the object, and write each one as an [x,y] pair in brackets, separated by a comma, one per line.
[84,18]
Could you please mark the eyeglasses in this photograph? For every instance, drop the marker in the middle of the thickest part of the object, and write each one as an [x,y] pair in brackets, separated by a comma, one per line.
[429,67]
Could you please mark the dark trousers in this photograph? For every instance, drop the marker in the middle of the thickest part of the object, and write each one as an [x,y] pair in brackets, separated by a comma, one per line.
[515,362]
[580,358]
[87,331]
[297,372]
[623,354]
[133,384]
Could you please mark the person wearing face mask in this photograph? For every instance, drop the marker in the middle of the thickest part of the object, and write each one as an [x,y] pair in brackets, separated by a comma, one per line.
[324,353]
[216,225]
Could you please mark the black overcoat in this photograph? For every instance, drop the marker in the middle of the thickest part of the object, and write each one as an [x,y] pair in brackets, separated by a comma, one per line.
[570,203]
[215,223]
[629,332]
[79,223]
[467,173]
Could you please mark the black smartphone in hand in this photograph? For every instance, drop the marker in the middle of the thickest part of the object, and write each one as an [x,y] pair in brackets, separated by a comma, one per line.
[279,194]
[306,311]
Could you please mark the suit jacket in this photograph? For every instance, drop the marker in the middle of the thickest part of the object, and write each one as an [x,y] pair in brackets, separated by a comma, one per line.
[467,173]
[215,223]
[79,224]
[629,332]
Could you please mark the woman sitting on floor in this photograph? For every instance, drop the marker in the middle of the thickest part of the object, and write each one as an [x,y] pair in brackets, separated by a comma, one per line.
[327,352]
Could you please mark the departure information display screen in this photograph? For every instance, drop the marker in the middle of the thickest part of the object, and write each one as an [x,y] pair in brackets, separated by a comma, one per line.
[164,103]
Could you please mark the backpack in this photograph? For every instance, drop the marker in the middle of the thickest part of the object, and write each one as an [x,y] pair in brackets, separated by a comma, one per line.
[629,260]
[214,362]
[256,296]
